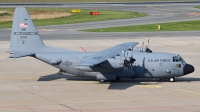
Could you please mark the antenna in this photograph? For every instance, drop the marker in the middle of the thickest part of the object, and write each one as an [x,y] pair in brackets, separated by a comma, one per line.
[132,52]
[142,46]
[147,47]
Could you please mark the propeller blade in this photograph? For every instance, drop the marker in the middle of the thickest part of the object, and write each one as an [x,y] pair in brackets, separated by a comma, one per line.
[125,69]
[142,46]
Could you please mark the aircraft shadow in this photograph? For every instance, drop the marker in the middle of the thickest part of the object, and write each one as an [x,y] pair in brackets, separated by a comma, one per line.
[187,79]
[56,76]
[127,83]
[117,85]
[122,85]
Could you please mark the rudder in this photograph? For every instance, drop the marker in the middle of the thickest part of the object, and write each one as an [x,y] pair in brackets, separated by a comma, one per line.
[24,35]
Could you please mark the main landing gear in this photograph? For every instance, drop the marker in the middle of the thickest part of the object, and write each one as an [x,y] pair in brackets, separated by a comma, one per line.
[172,79]
[101,81]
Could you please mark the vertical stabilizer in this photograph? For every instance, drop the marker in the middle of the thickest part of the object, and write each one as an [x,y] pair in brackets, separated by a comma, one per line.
[24,35]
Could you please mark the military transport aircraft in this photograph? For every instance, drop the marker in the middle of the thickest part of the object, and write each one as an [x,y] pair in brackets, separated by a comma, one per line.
[121,61]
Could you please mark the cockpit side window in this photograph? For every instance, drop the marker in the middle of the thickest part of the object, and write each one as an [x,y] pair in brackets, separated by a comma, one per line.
[178,59]
[175,59]
[182,61]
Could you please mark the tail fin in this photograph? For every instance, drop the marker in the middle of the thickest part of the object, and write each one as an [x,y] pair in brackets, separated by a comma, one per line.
[24,35]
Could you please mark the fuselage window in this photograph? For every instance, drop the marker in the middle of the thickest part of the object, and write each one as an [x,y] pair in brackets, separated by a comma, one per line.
[181,60]
[174,59]
[178,65]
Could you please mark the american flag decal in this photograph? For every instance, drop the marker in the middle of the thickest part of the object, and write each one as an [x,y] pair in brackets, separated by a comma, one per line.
[23,25]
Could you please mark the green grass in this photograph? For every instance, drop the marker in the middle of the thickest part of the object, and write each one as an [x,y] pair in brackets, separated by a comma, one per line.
[173,26]
[197,7]
[84,16]
[4,14]
[26,1]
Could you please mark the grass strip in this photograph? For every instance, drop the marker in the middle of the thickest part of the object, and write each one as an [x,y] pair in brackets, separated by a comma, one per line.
[197,7]
[172,26]
[83,16]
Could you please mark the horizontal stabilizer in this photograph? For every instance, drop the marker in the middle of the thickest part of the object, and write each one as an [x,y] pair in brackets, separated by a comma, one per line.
[56,61]
[19,55]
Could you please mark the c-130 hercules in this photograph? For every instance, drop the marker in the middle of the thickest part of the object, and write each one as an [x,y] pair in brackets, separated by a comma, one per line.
[121,61]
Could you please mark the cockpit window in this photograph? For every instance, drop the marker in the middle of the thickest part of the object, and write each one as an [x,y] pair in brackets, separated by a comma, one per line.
[182,61]
[178,59]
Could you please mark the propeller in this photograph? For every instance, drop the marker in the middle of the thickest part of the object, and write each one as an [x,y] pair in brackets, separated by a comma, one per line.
[132,60]
[142,46]
[147,47]
[128,61]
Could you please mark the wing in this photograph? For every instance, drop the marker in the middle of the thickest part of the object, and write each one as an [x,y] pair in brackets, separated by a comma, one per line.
[102,56]
[23,54]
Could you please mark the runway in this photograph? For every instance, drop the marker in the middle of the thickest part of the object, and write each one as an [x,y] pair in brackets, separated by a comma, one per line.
[27,84]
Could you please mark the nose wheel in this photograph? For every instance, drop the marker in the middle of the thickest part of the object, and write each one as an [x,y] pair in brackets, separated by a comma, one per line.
[172,79]
[102,81]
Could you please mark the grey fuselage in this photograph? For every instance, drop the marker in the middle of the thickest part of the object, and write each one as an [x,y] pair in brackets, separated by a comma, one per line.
[147,65]
[110,64]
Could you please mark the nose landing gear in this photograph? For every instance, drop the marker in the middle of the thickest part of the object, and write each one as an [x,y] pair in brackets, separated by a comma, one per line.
[171,79]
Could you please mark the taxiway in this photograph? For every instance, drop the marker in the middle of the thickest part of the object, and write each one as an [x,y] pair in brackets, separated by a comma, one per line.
[27,84]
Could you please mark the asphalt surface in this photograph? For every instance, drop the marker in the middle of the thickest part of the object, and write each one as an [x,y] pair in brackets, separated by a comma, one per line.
[27,84]
[157,13]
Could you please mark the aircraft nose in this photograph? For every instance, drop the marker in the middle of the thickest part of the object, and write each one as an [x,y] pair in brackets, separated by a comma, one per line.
[188,69]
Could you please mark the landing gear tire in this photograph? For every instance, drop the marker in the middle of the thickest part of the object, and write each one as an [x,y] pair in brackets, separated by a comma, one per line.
[101,81]
[172,79]
[118,79]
